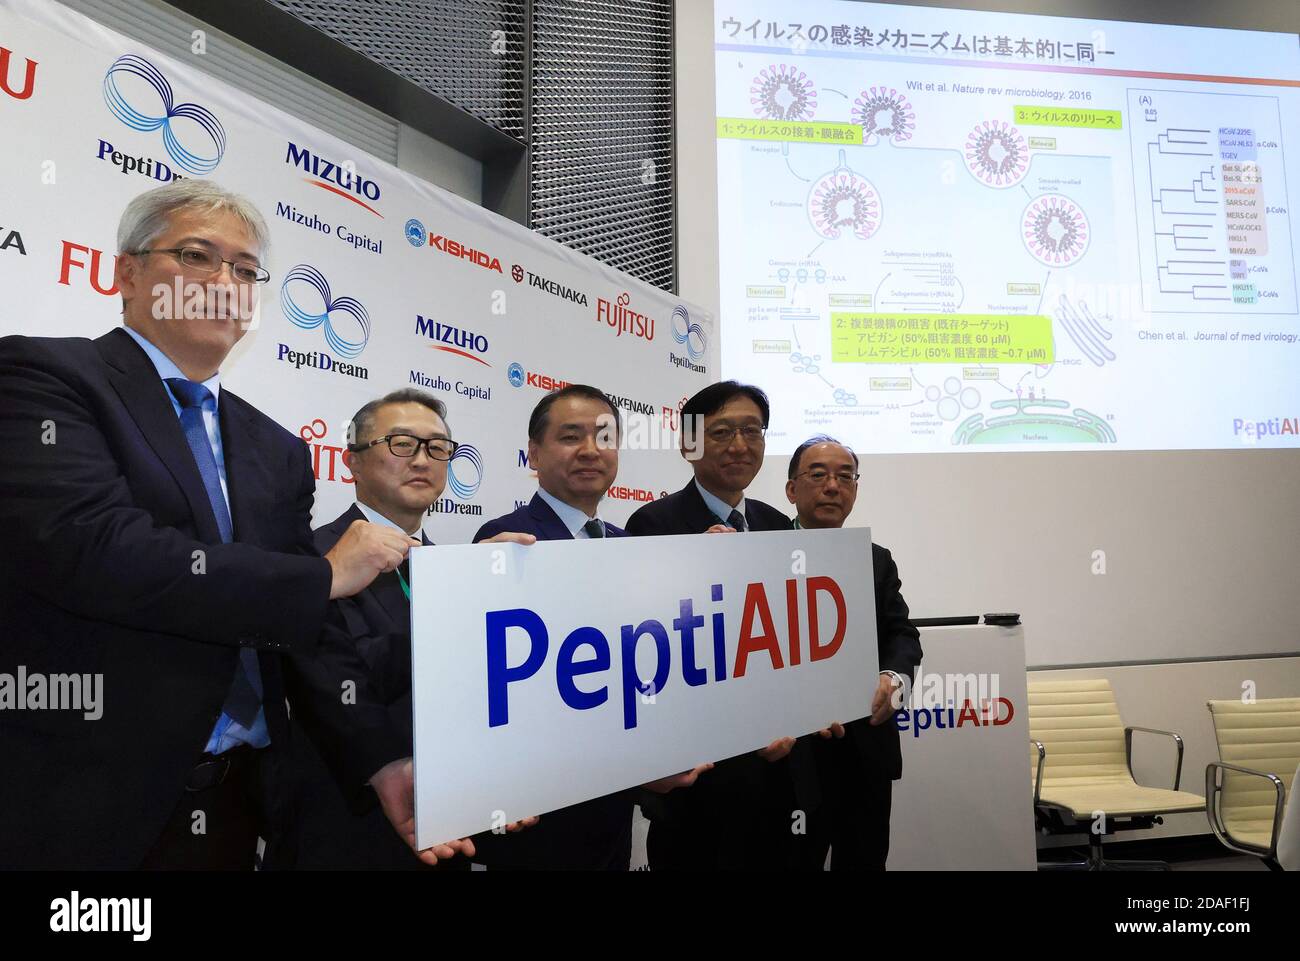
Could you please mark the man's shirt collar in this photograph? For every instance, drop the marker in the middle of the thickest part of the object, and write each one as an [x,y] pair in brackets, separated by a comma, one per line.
[166,367]
[720,507]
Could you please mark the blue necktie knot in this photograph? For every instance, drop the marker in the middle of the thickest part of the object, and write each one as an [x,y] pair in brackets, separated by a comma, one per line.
[189,394]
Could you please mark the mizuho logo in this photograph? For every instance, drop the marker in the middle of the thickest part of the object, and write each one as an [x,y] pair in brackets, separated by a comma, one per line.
[415,233]
[467,454]
[686,332]
[305,284]
[133,66]
[516,374]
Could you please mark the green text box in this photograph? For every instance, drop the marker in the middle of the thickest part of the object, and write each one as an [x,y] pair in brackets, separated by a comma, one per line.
[871,338]
[790,131]
[1036,115]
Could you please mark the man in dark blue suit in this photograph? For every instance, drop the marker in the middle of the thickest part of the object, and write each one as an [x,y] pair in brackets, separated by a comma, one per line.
[748,812]
[157,535]
[573,437]
[398,457]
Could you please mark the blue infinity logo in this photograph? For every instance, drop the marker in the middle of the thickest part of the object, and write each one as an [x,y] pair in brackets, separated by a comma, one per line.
[303,279]
[463,490]
[686,332]
[140,67]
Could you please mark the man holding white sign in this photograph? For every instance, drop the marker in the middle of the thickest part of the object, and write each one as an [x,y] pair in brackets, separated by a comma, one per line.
[856,773]
[353,693]
[751,811]
[573,444]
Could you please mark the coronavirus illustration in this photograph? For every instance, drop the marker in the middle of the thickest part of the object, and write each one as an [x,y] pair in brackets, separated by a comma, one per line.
[783,92]
[1055,230]
[884,113]
[843,200]
[997,154]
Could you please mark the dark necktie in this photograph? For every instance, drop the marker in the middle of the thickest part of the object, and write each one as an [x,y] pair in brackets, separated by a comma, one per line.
[245,695]
[736,520]
[594,528]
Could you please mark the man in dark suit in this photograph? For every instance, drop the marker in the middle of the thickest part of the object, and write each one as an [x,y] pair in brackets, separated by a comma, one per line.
[857,762]
[398,457]
[573,437]
[744,813]
[157,535]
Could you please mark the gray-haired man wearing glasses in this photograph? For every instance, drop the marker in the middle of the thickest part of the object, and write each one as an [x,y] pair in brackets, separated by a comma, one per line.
[856,762]
[157,536]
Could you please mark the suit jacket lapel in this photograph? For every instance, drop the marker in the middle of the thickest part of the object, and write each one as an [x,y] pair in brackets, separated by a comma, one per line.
[549,525]
[145,397]
[697,512]
[246,482]
[386,589]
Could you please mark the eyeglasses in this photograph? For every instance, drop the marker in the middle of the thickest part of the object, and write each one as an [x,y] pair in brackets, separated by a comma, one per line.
[750,434]
[204,261]
[407,445]
[820,476]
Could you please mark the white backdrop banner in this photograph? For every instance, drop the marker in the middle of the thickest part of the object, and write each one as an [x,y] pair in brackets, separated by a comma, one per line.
[546,684]
[379,280]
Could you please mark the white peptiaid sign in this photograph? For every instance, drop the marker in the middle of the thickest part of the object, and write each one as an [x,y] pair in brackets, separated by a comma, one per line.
[551,674]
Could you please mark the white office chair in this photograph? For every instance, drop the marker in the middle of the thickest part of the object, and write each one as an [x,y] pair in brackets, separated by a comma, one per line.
[1246,791]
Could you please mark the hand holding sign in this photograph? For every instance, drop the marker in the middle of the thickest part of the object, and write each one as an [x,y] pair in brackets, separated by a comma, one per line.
[394,783]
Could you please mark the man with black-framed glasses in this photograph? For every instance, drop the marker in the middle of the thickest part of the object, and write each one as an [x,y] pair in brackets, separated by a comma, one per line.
[398,451]
[857,762]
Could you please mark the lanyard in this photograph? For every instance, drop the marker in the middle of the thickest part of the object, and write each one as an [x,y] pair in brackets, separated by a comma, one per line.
[406,588]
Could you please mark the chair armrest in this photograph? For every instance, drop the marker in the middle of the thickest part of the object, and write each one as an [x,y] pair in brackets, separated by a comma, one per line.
[1213,789]
[1128,750]
[1038,769]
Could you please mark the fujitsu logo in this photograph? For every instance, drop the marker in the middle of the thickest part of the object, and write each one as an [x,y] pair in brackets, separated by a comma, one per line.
[29,77]
[331,466]
[457,249]
[623,319]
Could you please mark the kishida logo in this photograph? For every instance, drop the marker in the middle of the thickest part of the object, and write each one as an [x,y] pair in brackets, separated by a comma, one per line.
[140,96]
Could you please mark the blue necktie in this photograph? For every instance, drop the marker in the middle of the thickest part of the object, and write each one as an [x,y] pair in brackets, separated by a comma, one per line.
[736,521]
[594,528]
[245,695]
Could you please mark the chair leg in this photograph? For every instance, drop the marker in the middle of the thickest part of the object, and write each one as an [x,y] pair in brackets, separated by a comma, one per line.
[1097,860]
[1082,864]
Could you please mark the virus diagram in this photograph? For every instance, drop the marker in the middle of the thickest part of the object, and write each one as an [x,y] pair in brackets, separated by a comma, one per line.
[1055,230]
[997,154]
[842,200]
[782,92]
[884,112]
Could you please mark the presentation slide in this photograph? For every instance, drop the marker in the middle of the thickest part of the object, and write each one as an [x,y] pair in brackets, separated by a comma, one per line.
[947,230]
